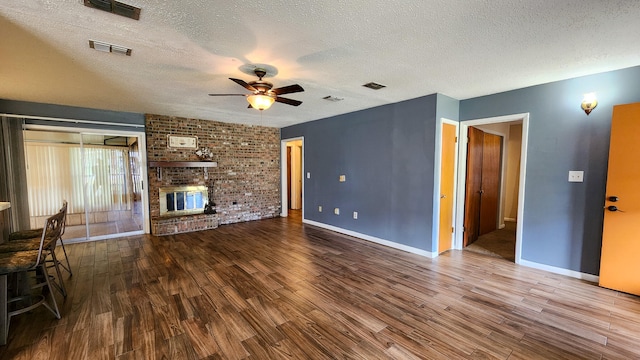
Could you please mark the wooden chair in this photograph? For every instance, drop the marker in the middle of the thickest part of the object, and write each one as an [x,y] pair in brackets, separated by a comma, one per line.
[35,233]
[52,236]
[12,262]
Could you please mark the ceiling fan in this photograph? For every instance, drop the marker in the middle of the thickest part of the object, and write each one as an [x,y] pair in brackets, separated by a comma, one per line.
[263,96]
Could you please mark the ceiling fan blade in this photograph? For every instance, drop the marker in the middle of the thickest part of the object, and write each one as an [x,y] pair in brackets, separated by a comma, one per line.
[288,89]
[243,84]
[288,101]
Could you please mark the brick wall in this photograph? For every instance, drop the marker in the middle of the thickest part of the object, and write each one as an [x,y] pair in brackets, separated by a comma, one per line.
[246,183]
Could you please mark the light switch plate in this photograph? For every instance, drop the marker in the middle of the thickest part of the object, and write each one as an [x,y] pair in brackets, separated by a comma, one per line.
[343,178]
[336,211]
[308,175]
[576,176]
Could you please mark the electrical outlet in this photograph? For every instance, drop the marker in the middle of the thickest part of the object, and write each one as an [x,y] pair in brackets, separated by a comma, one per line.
[336,211]
[343,178]
[355,215]
[576,176]
[319,208]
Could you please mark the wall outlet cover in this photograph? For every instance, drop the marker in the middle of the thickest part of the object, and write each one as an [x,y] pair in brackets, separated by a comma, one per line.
[576,176]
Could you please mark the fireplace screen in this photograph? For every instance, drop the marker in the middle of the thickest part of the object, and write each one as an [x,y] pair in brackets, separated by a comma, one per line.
[183,200]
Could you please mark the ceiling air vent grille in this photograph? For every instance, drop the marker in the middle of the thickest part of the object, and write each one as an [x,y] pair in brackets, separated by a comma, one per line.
[374,86]
[115,7]
[333,98]
[106,47]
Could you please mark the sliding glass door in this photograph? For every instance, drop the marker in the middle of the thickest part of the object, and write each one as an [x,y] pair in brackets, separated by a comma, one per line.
[98,174]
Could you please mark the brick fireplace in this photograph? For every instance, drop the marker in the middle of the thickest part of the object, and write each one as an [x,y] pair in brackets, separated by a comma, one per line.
[243,181]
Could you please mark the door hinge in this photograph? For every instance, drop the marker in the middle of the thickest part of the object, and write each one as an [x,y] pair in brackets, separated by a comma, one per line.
[452,229]
[456,139]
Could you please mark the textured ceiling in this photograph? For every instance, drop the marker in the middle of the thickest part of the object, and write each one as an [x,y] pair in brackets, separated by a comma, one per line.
[184,50]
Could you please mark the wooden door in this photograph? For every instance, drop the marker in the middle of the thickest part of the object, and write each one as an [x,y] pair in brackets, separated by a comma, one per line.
[490,193]
[473,185]
[288,177]
[620,260]
[447,174]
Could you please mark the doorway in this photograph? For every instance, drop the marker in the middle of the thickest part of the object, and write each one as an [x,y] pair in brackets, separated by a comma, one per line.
[100,174]
[292,179]
[501,217]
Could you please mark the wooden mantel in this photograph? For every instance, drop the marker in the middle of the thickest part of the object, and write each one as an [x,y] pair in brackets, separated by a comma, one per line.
[202,164]
[185,164]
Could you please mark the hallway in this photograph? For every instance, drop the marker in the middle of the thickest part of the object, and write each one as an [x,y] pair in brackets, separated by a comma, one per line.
[499,243]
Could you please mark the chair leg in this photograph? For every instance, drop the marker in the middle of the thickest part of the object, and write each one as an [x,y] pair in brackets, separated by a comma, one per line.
[53,307]
[4,317]
[68,266]
[59,284]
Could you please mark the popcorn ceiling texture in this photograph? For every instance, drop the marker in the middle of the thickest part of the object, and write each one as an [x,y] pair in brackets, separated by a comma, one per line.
[245,185]
[184,50]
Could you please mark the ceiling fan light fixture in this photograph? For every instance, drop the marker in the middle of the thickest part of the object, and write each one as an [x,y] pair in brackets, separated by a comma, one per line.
[260,101]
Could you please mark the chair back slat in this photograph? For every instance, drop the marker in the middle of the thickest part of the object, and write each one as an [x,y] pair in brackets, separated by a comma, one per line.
[52,229]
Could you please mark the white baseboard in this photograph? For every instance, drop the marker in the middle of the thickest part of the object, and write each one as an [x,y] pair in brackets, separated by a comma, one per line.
[410,249]
[561,271]
[510,219]
[376,240]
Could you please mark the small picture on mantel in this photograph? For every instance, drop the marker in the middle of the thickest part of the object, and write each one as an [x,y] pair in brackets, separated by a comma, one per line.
[182,142]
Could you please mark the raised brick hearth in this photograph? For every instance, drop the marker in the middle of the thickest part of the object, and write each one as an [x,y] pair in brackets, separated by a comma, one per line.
[245,185]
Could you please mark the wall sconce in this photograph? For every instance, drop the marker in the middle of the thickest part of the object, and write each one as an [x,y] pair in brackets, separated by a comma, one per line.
[589,102]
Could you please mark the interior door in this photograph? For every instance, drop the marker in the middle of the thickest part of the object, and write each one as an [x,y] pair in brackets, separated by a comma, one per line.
[475,139]
[620,260]
[289,177]
[447,174]
[490,194]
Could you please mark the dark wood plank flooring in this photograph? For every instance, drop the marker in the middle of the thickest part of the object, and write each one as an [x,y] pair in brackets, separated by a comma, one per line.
[278,289]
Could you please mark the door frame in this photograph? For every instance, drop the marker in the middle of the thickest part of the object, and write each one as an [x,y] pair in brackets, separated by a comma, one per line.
[284,211]
[141,136]
[436,180]
[462,163]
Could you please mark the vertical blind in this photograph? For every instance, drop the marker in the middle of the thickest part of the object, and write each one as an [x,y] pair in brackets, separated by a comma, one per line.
[57,172]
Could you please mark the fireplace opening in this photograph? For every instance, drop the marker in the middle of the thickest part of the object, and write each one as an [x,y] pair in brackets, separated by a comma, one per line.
[183,200]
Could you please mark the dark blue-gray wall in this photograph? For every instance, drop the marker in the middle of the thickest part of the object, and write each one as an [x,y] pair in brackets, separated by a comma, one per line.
[103,119]
[562,223]
[387,155]
[388,152]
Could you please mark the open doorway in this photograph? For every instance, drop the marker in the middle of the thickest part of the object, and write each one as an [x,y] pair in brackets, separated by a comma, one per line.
[491,187]
[292,159]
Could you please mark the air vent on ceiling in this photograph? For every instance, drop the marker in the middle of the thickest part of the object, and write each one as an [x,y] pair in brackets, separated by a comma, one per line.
[374,86]
[333,98]
[105,47]
[115,7]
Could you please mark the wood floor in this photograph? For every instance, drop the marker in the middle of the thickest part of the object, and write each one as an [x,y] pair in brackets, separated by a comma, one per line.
[277,289]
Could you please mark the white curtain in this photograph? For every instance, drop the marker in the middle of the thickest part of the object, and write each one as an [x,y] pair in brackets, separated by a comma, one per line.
[55,173]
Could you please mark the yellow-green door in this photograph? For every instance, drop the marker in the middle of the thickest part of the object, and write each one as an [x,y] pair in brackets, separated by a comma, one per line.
[447,173]
[620,260]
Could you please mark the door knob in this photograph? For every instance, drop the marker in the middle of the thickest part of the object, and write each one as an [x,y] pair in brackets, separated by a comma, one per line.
[613,198]
[613,208]
[443,196]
